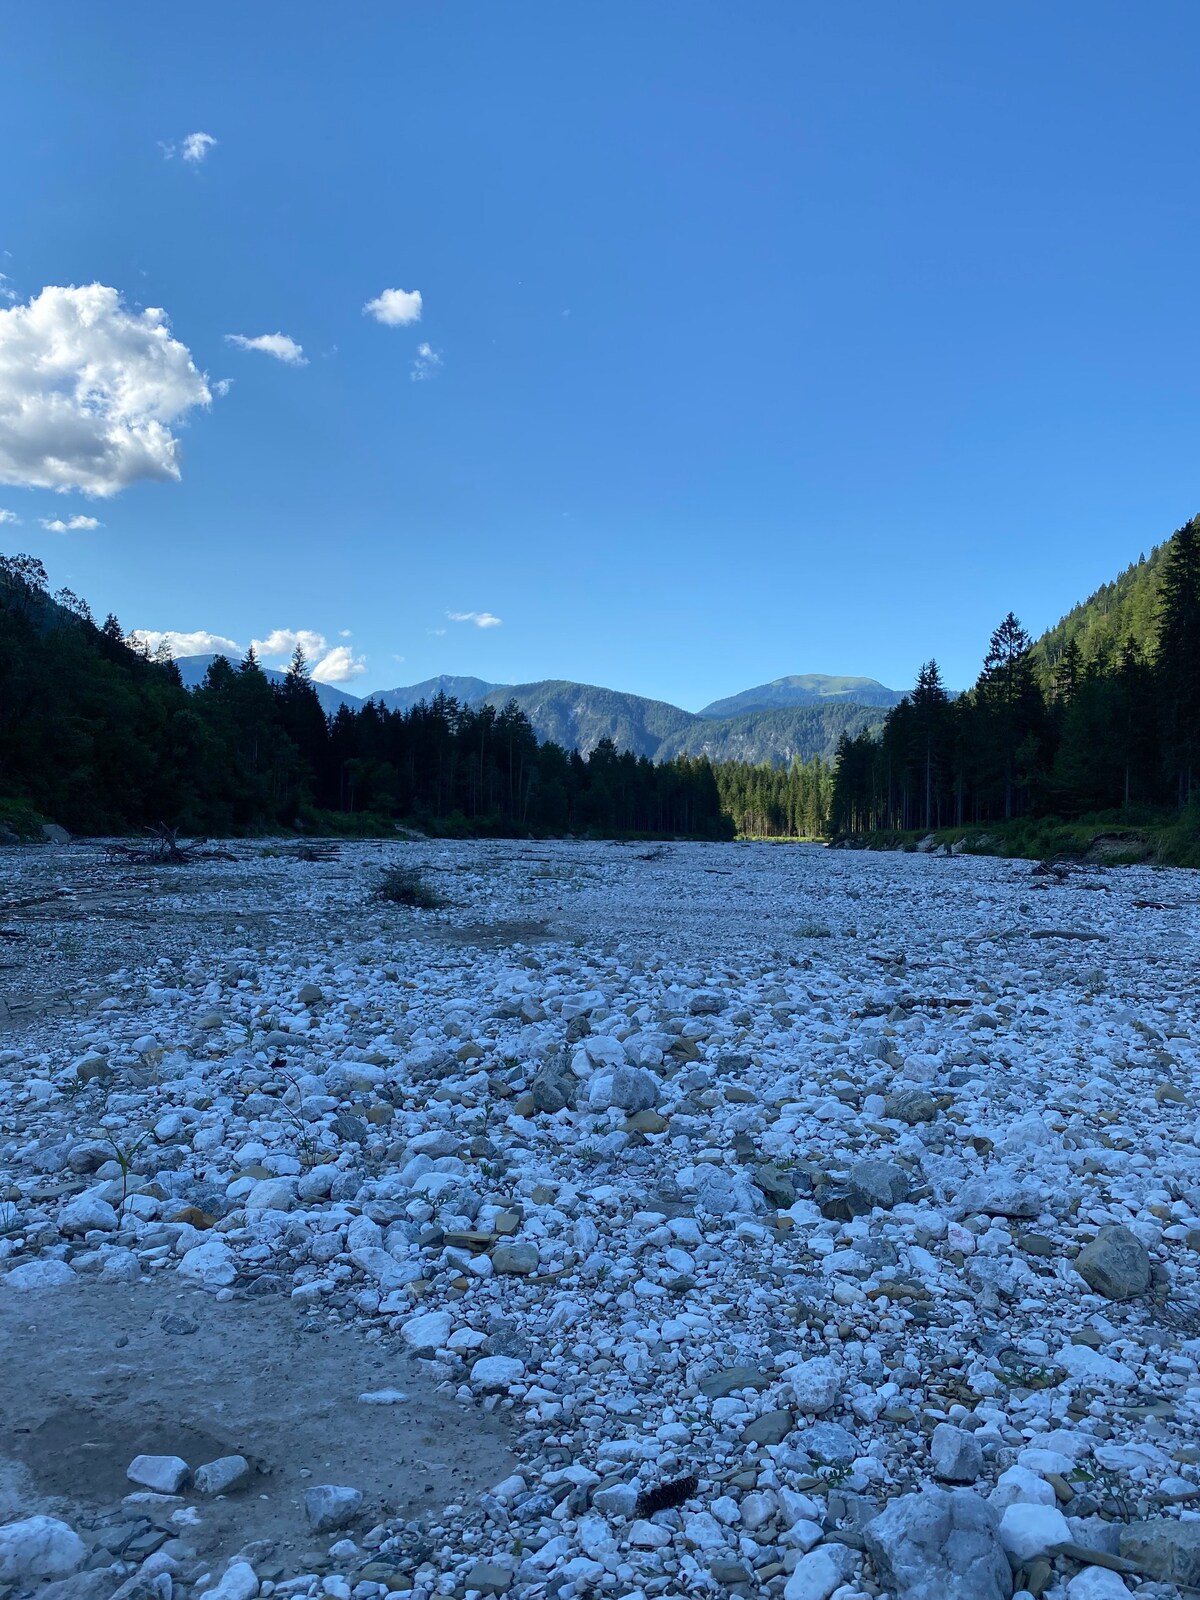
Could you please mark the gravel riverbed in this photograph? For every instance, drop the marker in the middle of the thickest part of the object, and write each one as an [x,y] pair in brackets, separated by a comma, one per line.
[647,1221]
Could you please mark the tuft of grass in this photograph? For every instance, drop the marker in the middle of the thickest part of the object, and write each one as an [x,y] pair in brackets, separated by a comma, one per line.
[405,886]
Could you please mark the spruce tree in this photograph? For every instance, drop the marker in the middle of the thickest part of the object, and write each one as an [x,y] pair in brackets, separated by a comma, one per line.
[1178,663]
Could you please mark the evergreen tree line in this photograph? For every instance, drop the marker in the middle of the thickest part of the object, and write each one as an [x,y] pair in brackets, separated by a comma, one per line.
[769,802]
[99,735]
[1119,727]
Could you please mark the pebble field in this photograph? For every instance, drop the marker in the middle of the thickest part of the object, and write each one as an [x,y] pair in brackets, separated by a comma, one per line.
[643,1221]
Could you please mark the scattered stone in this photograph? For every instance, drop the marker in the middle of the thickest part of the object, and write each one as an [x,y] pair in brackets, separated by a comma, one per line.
[956,1454]
[329,1506]
[1115,1264]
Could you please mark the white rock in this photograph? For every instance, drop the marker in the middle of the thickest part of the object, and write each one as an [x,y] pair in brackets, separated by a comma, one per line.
[1019,1486]
[209,1264]
[1027,1530]
[49,1274]
[1097,1583]
[817,1574]
[87,1213]
[1093,1366]
[237,1583]
[39,1548]
[163,1474]
[816,1384]
[497,1372]
[427,1332]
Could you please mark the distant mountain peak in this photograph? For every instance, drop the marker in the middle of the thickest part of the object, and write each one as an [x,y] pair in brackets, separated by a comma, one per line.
[801,715]
[804,689]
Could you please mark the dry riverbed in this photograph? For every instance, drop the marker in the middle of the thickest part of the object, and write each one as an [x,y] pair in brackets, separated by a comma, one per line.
[647,1221]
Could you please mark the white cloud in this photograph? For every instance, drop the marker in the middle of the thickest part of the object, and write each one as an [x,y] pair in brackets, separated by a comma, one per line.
[339,666]
[88,391]
[481,619]
[345,633]
[222,387]
[200,643]
[71,525]
[283,641]
[436,633]
[9,516]
[196,146]
[395,308]
[278,345]
[5,292]
[427,362]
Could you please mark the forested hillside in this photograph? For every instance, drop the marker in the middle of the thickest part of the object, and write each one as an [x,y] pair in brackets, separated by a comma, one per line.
[1101,728]
[1126,608]
[780,737]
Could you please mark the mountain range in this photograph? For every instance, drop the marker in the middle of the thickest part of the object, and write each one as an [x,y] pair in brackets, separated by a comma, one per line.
[800,716]
[803,715]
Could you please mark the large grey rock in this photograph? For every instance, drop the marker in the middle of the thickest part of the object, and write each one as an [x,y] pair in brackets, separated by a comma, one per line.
[163,1474]
[956,1454]
[910,1105]
[1165,1549]
[635,1089]
[223,1475]
[1116,1264]
[97,1585]
[881,1183]
[520,1257]
[331,1505]
[940,1544]
[998,1194]
[37,1548]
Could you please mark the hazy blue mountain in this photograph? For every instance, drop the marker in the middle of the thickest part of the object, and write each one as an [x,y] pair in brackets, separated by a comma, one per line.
[804,689]
[775,736]
[193,668]
[579,715]
[466,690]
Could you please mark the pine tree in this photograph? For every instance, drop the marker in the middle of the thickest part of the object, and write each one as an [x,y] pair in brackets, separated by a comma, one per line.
[1178,662]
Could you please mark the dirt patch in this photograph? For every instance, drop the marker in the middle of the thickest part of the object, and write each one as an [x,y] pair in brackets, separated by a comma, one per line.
[498,935]
[94,1377]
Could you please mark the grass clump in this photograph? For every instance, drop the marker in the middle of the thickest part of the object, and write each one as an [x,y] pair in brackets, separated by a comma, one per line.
[405,886]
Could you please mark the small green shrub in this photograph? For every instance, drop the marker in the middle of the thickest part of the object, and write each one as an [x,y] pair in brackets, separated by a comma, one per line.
[404,886]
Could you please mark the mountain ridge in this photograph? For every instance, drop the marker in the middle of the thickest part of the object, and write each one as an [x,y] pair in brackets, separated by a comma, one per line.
[799,719]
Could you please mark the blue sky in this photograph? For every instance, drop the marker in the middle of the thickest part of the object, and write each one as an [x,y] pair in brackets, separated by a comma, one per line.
[757,339]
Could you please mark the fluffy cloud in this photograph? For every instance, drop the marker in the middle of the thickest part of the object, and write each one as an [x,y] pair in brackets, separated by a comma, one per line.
[336,664]
[395,308]
[200,643]
[426,364]
[283,642]
[70,525]
[340,665]
[278,345]
[8,516]
[89,390]
[481,619]
[196,146]
[193,147]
